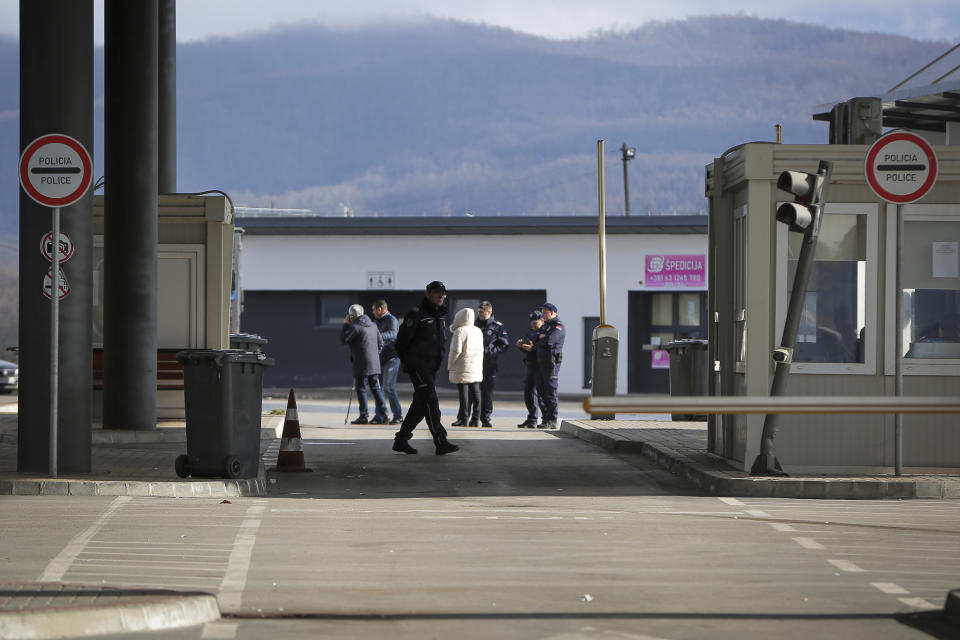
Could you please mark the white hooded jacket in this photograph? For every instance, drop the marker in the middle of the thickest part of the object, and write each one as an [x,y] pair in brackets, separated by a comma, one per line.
[465,360]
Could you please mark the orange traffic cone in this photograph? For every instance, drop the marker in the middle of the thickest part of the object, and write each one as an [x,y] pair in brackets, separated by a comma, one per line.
[290,457]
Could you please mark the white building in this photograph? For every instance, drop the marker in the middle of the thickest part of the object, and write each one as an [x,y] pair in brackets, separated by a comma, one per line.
[300,273]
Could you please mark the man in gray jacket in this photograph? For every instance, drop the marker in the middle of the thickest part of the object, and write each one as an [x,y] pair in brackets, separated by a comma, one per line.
[364,340]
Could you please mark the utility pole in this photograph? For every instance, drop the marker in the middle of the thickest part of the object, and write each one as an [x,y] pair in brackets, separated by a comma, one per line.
[628,154]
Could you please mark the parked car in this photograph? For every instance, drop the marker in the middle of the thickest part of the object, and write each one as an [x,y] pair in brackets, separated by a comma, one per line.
[9,376]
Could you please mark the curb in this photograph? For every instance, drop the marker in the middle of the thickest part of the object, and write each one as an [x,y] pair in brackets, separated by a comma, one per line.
[156,610]
[250,487]
[720,483]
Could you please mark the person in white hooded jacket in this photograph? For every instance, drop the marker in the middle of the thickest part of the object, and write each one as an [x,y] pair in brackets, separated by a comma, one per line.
[465,363]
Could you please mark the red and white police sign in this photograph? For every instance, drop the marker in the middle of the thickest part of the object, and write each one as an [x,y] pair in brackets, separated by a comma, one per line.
[55,170]
[901,167]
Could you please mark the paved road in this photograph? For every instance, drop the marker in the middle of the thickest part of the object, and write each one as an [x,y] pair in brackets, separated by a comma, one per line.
[522,534]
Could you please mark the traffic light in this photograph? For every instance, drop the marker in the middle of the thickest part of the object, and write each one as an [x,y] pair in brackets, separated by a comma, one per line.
[807,189]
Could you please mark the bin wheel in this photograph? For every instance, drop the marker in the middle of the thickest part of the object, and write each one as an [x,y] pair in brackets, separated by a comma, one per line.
[232,467]
[182,466]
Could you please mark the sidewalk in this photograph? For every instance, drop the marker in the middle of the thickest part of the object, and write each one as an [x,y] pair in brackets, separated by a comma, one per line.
[131,463]
[681,448]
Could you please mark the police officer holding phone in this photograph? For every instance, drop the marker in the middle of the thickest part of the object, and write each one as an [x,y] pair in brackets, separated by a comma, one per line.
[549,350]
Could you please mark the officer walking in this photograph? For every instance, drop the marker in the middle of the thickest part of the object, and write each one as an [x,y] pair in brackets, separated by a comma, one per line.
[421,345]
[494,343]
[549,349]
[530,396]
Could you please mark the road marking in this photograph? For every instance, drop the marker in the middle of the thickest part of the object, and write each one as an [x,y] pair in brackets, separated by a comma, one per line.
[59,565]
[781,526]
[846,565]
[757,514]
[918,603]
[808,543]
[733,502]
[219,630]
[891,588]
[235,577]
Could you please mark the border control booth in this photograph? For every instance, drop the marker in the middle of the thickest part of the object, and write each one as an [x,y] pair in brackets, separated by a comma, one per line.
[196,256]
[845,343]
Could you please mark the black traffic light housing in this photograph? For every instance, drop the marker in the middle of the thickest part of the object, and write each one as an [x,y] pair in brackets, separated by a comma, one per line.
[807,189]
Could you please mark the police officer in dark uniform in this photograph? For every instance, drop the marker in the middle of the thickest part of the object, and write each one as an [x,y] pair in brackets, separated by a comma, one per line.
[531,397]
[494,343]
[549,349]
[421,345]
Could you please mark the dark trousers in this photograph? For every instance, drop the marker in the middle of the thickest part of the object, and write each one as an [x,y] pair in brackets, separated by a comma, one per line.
[548,376]
[530,396]
[425,405]
[469,401]
[486,391]
[374,383]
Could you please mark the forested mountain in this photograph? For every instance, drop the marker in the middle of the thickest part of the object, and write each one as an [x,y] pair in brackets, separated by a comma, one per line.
[444,117]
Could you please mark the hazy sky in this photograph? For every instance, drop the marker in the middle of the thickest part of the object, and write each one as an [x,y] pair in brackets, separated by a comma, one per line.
[200,19]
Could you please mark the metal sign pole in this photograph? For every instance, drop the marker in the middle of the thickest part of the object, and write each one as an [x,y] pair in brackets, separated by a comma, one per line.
[898,359]
[601,208]
[54,338]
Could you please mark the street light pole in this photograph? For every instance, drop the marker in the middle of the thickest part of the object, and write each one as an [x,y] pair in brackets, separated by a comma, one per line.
[628,154]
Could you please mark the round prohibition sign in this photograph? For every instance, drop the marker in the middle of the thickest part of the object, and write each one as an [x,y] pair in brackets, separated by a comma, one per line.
[901,167]
[55,170]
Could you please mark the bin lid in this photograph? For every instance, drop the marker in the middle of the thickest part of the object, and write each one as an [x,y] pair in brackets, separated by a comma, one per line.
[248,337]
[221,356]
[686,342]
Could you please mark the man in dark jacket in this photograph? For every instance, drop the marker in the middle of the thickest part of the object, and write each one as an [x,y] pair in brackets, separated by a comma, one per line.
[365,343]
[421,345]
[531,396]
[494,343]
[389,361]
[549,350]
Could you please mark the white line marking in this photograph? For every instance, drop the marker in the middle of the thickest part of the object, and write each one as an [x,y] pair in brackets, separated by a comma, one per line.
[733,502]
[781,526]
[222,630]
[808,543]
[59,565]
[846,565]
[131,567]
[235,577]
[757,514]
[891,588]
[918,603]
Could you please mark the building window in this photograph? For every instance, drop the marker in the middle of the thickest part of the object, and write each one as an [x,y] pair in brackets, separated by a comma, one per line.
[930,277]
[837,321]
[331,309]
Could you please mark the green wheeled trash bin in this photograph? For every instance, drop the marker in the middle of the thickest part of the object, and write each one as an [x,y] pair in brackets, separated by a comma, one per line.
[223,391]
[688,371]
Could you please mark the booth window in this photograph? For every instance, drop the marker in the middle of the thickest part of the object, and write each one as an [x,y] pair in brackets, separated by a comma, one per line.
[331,309]
[835,332]
[930,275]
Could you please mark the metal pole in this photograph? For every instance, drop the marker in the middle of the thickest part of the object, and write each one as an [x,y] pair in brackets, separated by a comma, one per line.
[54,338]
[626,185]
[898,341]
[766,462]
[601,209]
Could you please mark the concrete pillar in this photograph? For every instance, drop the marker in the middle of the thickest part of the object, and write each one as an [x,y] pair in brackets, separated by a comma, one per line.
[56,96]
[167,177]
[130,214]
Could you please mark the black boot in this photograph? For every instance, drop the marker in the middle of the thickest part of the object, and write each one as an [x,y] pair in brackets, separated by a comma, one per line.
[402,446]
[527,424]
[458,423]
[446,447]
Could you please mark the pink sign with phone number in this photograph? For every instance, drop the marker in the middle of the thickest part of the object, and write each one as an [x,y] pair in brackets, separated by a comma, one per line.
[675,271]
